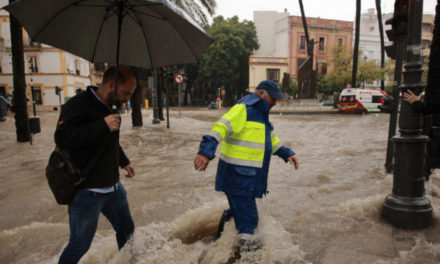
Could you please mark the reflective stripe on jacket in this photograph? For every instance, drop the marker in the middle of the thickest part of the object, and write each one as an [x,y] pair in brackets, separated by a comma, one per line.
[248,142]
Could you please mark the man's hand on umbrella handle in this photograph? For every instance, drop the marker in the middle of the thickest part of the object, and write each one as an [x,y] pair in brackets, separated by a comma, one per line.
[113,121]
[293,160]
[130,171]
[201,162]
[410,97]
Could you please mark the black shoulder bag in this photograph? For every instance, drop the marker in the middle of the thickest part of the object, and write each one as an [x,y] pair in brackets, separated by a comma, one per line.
[64,176]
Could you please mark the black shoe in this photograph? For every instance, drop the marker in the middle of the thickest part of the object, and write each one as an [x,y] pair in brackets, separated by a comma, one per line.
[251,244]
[226,216]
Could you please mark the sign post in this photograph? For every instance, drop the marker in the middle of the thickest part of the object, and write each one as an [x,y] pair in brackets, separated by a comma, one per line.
[178,79]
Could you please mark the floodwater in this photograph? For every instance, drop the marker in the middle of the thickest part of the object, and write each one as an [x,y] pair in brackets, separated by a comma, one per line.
[328,211]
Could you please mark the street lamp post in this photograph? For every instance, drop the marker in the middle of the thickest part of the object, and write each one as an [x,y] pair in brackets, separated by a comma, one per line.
[407,206]
[154,96]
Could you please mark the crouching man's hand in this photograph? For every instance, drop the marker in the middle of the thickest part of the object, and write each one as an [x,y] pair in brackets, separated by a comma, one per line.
[201,162]
[293,160]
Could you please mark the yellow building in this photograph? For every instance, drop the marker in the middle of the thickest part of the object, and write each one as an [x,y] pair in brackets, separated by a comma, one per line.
[45,68]
[266,68]
[427,29]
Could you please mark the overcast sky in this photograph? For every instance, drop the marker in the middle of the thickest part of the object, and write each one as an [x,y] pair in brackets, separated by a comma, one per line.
[332,9]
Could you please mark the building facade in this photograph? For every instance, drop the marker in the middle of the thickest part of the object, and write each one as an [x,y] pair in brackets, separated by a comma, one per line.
[272,32]
[283,44]
[427,30]
[45,69]
[369,40]
[369,35]
[266,68]
[326,34]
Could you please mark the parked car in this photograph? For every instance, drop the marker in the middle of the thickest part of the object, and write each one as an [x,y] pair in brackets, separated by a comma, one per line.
[327,103]
[212,105]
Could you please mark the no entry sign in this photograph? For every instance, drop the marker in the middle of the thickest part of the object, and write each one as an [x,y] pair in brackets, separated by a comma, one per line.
[178,78]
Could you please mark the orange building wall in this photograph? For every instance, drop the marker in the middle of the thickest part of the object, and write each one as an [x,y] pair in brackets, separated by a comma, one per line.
[330,30]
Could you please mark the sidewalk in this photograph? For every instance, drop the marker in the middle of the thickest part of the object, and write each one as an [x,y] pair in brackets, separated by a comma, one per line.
[302,106]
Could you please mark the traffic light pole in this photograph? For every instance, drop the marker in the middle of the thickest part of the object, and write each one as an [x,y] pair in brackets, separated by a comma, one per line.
[400,49]
[407,206]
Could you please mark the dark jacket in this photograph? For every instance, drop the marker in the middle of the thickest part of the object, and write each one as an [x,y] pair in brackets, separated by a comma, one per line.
[82,131]
[431,106]
[244,180]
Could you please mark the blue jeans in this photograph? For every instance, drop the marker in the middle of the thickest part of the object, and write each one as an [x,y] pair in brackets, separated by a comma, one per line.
[83,220]
[244,211]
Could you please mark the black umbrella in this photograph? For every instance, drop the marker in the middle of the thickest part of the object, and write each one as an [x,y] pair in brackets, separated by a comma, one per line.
[140,33]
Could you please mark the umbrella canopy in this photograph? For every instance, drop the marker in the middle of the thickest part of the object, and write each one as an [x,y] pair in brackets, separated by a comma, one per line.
[140,33]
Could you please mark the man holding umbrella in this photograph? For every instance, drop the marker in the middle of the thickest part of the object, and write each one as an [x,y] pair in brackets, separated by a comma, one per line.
[88,127]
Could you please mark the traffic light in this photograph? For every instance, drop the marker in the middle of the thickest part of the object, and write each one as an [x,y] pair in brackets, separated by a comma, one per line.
[399,26]
[387,105]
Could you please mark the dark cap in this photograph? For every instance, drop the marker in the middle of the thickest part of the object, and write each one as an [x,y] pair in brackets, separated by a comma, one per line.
[272,88]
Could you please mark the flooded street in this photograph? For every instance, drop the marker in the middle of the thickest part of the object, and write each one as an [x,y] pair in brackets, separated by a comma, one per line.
[327,212]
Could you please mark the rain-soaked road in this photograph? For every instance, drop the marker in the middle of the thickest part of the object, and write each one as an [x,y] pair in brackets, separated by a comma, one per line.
[328,211]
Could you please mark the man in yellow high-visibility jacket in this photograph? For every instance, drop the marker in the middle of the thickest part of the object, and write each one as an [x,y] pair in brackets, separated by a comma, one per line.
[248,143]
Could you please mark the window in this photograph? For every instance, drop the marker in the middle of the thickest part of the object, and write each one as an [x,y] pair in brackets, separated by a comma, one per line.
[426,44]
[33,64]
[322,67]
[321,44]
[340,42]
[36,95]
[348,99]
[77,67]
[377,99]
[273,75]
[302,43]
[427,28]
[3,91]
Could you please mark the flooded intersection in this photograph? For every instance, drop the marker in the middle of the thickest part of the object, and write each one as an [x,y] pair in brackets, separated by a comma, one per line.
[328,211]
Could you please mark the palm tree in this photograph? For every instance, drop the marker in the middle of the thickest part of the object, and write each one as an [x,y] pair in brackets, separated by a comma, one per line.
[356,43]
[194,8]
[382,52]
[19,103]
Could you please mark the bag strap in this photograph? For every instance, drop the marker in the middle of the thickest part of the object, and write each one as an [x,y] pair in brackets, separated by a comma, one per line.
[92,162]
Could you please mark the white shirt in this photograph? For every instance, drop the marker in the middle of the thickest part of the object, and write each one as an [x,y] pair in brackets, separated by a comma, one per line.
[106,189]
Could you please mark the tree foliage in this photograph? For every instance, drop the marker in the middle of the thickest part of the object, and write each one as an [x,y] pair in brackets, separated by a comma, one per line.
[368,72]
[340,72]
[225,63]
[291,89]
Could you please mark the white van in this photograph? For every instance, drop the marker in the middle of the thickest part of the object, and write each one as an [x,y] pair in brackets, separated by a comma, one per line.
[360,101]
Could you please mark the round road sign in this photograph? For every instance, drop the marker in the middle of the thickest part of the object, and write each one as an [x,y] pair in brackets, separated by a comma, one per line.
[178,78]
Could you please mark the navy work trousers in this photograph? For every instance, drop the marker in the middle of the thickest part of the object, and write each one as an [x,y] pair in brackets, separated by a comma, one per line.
[83,220]
[244,211]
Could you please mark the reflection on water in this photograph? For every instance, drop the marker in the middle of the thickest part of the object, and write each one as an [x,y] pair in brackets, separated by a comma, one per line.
[328,211]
